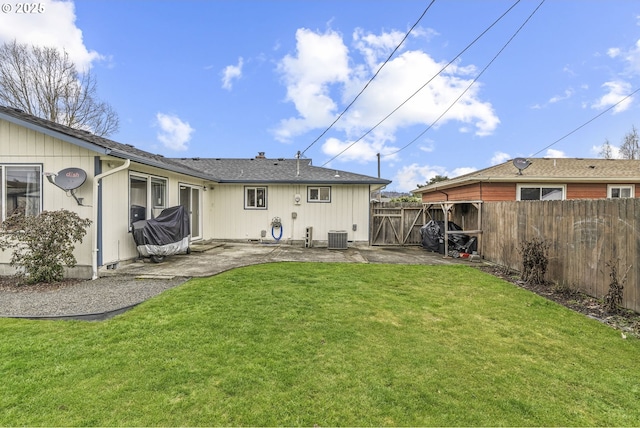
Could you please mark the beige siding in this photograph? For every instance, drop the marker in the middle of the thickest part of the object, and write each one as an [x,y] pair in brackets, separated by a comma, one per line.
[349,205]
[118,244]
[19,145]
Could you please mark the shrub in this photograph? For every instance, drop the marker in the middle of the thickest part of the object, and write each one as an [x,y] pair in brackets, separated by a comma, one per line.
[43,244]
[613,299]
[534,261]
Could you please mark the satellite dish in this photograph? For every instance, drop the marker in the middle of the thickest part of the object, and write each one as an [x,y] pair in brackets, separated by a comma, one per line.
[70,178]
[521,163]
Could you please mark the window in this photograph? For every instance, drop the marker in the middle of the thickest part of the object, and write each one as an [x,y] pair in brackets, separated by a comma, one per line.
[620,191]
[158,193]
[20,190]
[147,196]
[319,194]
[255,198]
[540,193]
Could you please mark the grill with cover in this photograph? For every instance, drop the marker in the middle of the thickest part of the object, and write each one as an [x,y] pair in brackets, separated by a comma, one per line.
[164,235]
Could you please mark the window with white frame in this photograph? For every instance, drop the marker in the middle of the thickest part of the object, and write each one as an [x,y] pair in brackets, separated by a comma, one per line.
[319,194]
[147,196]
[255,198]
[527,192]
[615,191]
[20,190]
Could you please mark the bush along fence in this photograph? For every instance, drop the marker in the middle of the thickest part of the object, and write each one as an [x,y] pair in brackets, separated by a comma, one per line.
[585,239]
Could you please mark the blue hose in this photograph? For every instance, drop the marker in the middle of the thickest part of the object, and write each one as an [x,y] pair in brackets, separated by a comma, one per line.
[274,235]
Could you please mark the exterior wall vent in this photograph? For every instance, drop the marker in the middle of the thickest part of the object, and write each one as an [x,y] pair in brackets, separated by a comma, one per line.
[337,240]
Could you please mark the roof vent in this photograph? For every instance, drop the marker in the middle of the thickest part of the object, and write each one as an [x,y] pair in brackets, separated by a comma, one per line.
[260,155]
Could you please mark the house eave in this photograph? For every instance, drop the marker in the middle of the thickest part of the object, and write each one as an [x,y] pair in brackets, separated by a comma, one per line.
[164,166]
[55,134]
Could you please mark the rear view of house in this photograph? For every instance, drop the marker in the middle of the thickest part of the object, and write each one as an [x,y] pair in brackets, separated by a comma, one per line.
[227,199]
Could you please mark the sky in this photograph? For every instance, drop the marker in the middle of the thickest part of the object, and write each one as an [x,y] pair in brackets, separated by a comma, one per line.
[412,89]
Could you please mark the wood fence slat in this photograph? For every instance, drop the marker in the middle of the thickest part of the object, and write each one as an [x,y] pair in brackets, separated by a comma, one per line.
[583,235]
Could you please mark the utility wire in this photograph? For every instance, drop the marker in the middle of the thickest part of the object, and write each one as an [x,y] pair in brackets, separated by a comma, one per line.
[586,123]
[370,80]
[471,84]
[429,81]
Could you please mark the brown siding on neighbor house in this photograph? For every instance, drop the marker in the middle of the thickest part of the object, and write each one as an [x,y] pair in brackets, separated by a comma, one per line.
[490,192]
[470,192]
[493,192]
[586,191]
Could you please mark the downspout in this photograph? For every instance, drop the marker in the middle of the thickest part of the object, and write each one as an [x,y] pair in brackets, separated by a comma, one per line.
[96,183]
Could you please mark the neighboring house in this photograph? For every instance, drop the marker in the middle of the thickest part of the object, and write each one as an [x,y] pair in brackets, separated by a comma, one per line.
[116,184]
[460,199]
[540,179]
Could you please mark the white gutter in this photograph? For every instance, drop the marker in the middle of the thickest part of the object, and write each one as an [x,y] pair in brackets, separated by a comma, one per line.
[96,183]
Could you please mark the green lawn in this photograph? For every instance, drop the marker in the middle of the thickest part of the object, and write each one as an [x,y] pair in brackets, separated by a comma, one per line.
[303,344]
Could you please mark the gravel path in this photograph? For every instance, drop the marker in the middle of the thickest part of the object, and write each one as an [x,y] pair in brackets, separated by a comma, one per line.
[89,300]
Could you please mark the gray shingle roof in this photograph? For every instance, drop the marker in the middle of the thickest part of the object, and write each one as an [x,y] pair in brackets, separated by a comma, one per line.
[561,170]
[259,170]
[265,170]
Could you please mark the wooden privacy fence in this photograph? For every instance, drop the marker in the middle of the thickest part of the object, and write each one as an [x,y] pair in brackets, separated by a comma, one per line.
[583,235]
[398,223]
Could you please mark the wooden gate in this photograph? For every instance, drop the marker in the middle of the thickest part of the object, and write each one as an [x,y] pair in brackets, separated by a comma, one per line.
[399,224]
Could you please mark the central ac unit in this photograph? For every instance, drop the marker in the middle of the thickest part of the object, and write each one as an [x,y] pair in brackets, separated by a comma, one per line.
[337,240]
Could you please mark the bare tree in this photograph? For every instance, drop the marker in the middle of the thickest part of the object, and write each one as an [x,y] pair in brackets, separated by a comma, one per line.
[44,82]
[630,148]
[606,151]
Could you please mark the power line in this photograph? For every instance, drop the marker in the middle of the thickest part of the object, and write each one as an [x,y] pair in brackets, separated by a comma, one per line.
[429,81]
[472,82]
[370,80]
[586,123]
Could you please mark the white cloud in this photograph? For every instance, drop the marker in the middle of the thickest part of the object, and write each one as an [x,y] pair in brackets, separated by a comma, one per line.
[408,177]
[231,73]
[553,153]
[568,93]
[462,171]
[429,148]
[374,47]
[55,27]
[630,56]
[324,75]
[614,52]
[617,90]
[174,133]
[500,157]
[320,61]
[363,151]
